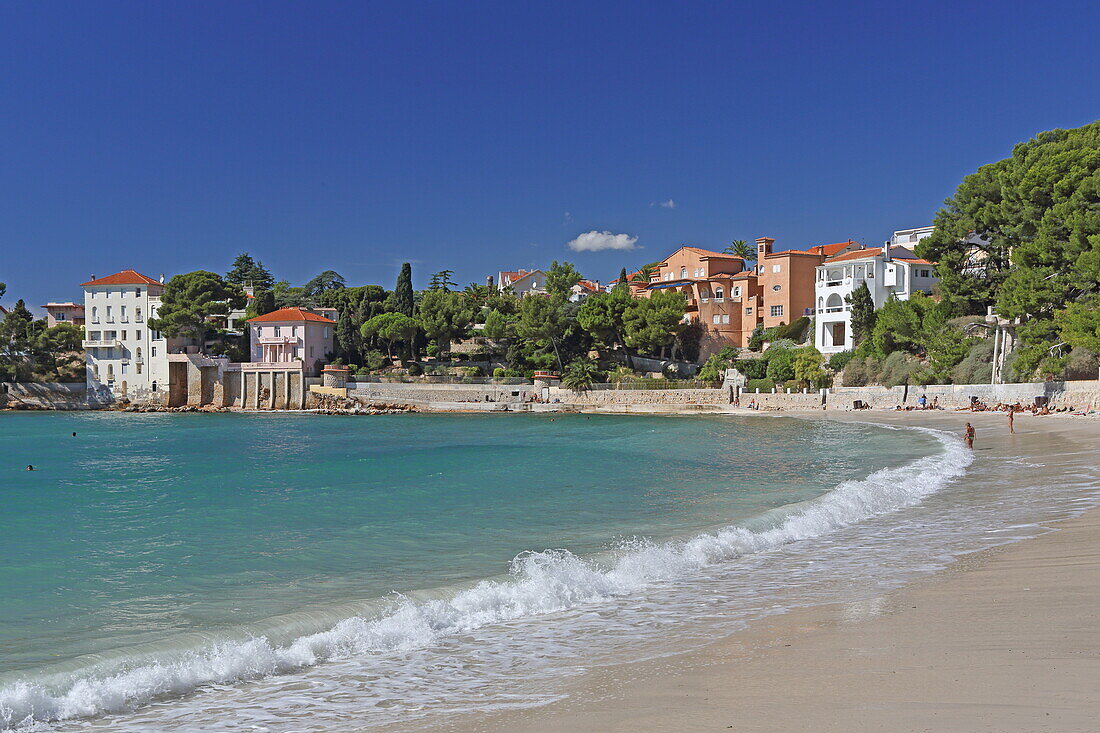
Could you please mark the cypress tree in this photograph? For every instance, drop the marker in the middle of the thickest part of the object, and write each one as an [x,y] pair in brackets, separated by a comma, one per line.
[622,275]
[863,313]
[403,292]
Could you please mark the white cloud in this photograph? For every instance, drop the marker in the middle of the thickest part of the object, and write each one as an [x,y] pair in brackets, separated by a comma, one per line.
[594,241]
[670,204]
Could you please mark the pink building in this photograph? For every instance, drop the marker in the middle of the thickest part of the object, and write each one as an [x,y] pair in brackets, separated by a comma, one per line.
[291,335]
[64,313]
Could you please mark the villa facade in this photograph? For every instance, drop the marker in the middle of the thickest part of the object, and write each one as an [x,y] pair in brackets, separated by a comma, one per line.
[292,338]
[888,272]
[64,313]
[122,354]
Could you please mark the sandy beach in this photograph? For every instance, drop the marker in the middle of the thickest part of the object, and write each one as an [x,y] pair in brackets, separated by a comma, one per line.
[1006,639]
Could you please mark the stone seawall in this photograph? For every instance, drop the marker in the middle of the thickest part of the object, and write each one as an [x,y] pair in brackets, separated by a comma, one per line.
[47,396]
[419,394]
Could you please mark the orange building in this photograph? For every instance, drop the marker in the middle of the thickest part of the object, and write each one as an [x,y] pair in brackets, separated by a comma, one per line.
[787,279]
[717,288]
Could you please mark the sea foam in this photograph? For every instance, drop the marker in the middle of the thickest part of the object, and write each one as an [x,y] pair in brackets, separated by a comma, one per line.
[538,583]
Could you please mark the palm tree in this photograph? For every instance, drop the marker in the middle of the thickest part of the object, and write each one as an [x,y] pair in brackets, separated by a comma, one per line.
[579,375]
[644,275]
[741,248]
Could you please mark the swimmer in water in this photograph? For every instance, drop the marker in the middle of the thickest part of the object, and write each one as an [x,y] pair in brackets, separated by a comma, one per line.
[30,468]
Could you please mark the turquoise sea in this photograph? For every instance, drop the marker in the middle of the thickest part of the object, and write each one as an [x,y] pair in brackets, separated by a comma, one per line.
[154,560]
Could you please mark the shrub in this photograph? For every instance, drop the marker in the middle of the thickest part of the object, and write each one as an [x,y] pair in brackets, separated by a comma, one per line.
[415,370]
[840,360]
[473,372]
[796,330]
[856,373]
[977,366]
[752,368]
[896,369]
[373,360]
[362,372]
[764,385]
[780,364]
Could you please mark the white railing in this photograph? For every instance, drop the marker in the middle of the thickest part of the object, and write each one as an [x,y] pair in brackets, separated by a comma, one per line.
[276,340]
[100,343]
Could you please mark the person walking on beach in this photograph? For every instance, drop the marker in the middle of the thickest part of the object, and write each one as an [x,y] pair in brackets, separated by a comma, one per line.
[1011,420]
[968,436]
[922,403]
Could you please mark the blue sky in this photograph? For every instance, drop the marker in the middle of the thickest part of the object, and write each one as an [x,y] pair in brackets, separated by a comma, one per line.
[476,137]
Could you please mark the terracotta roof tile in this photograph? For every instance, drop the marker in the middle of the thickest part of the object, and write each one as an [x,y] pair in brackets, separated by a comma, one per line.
[284,315]
[126,277]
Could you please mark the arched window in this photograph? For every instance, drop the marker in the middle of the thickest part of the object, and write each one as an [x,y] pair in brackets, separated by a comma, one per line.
[834,304]
[154,385]
[110,372]
[683,272]
[719,292]
[95,314]
[777,288]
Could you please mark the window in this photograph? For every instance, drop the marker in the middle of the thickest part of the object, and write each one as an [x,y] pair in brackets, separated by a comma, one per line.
[123,337]
[717,319]
[60,316]
[719,293]
[924,273]
[138,365]
[137,292]
[327,332]
[109,318]
[683,272]
[776,310]
[137,335]
[93,336]
[95,314]
[154,385]
[777,288]
[737,291]
[276,330]
[110,372]
[155,335]
[137,315]
[775,268]
[725,318]
[124,367]
[137,354]
[152,351]
[122,313]
[748,311]
[310,352]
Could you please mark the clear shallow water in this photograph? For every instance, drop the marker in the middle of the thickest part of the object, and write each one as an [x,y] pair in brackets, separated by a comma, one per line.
[255,557]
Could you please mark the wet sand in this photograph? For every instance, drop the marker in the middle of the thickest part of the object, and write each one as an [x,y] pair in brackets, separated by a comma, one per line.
[1007,639]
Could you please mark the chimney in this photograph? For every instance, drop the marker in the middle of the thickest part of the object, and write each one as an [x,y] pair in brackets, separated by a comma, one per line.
[162,278]
[886,251]
[92,277]
[764,246]
[489,282]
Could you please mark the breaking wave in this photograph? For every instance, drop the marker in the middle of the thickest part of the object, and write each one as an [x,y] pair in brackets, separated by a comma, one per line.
[537,583]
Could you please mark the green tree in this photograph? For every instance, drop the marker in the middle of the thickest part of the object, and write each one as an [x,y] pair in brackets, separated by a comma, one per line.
[390,328]
[807,367]
[402,300]
[622,276]
[442,281]
[863,312]
[580,375]
[714,369]
[262,303]
[57,353]
[445,316]
[327,282]
[650,324]
[247,271]
[560,278]
[645,273]
[780,363]
[498,326]
[16,332]
[899,326]
[192,302]
[741,248]
[601,315]
[1079,324]
[287,296]
[542,326]
[1023,234]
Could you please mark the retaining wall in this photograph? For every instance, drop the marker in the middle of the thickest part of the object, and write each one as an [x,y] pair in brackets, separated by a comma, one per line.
[48,396]
[394,392]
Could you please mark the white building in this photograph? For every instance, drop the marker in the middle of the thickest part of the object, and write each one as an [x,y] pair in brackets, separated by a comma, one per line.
[523,282]
[122,354]
[910,237]
[896,272]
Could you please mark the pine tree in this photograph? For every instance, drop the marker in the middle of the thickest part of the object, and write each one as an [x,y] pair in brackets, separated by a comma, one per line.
[622,275]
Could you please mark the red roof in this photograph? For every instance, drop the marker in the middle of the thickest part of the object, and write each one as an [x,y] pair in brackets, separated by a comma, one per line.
[126,277]
[589,286]
[284,315]
[829,250]
[710,253]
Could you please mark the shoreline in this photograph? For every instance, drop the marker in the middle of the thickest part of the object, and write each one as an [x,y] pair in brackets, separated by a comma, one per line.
[1003,638]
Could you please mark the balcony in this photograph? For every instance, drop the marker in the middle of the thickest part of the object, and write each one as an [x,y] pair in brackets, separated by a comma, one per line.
[277,340]
[100,344]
